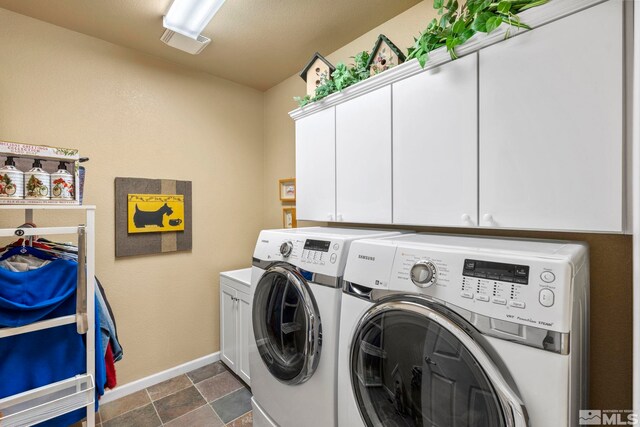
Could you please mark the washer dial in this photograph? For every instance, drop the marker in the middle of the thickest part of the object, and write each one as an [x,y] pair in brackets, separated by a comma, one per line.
[286,248]
[423,274]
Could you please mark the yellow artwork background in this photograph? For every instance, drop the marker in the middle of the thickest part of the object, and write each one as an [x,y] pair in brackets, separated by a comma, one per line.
[149,205]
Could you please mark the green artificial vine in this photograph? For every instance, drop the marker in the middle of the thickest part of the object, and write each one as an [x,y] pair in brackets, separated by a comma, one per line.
[458,24]
[343,77]
[455,26]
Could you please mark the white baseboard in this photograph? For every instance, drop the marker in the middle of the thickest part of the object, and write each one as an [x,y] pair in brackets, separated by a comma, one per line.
[142,383]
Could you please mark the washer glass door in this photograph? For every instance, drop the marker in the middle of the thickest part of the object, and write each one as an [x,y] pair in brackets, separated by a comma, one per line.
[286,324]
[410,366]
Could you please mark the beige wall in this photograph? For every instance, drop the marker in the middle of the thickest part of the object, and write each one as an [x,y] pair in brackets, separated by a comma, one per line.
[138,116]
[611,286]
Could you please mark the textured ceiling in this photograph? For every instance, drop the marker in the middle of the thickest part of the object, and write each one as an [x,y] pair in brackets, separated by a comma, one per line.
[257,43]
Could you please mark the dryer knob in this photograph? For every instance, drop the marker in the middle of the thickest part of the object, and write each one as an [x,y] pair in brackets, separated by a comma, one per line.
[423,274]
[286,248]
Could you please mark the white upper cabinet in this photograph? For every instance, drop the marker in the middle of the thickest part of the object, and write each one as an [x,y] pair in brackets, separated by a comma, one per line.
[523,133]
[316,167]
[551,125]
[435,146]
[363,158]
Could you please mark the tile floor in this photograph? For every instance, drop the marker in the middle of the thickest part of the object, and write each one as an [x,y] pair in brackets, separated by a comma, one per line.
[209,396]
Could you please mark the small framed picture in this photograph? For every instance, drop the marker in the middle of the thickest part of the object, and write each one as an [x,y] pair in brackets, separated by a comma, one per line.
[287,189]
[289,218]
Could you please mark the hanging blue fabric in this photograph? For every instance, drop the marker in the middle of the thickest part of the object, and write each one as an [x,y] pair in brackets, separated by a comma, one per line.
[39,358]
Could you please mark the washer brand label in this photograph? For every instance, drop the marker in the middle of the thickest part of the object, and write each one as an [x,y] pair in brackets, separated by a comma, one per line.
[367,258]
[530,320]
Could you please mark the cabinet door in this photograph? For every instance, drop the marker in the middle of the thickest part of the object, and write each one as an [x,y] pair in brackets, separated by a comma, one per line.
[435,146]
[363,158]
[228,326]
[316,167]
[244,336]
[551,125]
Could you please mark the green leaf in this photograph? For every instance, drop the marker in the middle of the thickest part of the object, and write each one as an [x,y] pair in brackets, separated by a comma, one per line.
[485,4]
[422,59]
[302,101]
[480,22]
[504,6]
[437,4]
[472,6]
[458,27]
[533,4]
[466,35]
[493,23]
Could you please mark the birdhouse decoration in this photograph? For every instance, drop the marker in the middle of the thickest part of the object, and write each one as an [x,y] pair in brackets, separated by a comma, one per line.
[384,55]
[317,71]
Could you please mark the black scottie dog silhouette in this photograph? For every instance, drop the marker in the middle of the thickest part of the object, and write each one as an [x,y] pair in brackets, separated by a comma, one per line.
[144,218]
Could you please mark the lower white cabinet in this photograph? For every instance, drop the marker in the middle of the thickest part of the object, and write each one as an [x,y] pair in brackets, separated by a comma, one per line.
[235,321]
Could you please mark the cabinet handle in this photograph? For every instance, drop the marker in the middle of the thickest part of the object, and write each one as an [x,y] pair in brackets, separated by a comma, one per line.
[339,217]
[489,218]
[466,219]
[330,217]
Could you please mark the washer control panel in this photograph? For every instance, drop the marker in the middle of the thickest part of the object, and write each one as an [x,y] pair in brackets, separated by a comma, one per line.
[529,292]
[527,289]
[317,252]
[526,282]
[316,255]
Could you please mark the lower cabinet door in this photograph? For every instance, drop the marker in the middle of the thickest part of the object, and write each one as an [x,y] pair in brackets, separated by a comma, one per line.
[228,326]
[245,335]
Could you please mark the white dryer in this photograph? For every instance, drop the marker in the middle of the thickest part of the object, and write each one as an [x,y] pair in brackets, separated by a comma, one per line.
[297,283]
[441,330]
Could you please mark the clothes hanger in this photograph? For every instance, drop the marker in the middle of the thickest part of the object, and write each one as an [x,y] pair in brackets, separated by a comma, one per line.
[26,250]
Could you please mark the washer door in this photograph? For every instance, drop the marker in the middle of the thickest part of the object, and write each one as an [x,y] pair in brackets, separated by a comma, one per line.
[412,365]
[286,324]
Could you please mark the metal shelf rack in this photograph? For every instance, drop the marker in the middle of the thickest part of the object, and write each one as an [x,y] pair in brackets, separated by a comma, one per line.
[52,400]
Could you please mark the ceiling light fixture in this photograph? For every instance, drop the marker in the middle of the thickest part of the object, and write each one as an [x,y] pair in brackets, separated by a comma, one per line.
[185,21]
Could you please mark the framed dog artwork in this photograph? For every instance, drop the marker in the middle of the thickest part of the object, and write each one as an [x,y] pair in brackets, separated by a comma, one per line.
[152,216]
[149,213]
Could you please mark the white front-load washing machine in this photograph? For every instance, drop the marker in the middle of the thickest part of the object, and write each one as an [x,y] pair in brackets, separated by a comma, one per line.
[297,283]
[441,330]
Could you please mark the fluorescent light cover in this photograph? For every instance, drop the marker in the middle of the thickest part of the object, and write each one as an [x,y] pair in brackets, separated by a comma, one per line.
[189,17]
